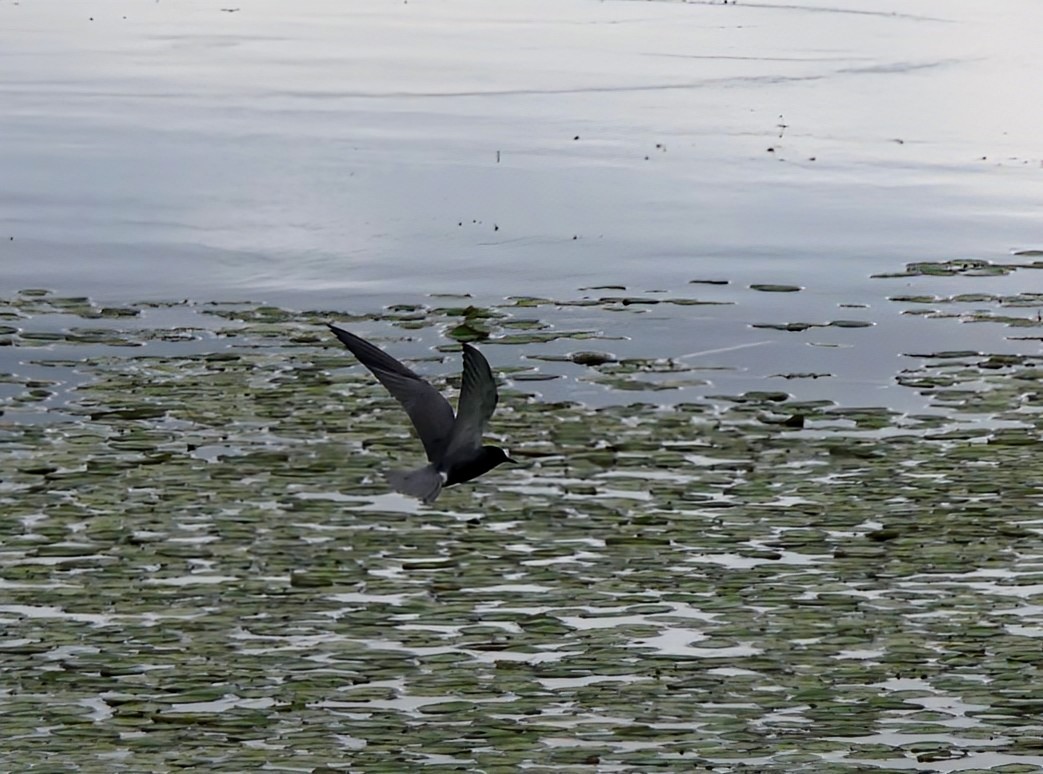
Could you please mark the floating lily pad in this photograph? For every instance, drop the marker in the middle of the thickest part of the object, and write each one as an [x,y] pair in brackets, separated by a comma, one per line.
[851,324]
[769,288]
[468,332]
[591,358]
[793,327]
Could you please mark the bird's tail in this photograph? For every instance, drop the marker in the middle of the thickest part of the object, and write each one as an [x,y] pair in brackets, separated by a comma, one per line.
[423,483]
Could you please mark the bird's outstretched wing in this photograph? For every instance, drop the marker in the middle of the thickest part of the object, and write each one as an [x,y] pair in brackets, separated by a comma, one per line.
[477,402]
[430,412]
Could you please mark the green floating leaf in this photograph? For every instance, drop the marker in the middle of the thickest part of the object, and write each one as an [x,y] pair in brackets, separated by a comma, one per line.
[793,327]
[468,332]
[130,412]
[628,300]
[591,358]
[119,311]
[696,302]
[769,288]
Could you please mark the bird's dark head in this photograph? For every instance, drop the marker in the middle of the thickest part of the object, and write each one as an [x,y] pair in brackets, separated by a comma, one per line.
[494,455]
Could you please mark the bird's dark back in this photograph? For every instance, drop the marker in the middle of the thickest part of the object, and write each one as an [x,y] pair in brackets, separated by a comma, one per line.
[487,458]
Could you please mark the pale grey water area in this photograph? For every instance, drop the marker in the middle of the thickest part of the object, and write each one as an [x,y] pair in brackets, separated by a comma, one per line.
[349,157]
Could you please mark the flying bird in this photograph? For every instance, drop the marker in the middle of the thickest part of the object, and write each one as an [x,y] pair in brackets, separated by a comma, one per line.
[453,442]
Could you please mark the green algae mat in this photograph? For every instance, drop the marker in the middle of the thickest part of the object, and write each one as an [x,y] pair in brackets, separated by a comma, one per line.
[200,567]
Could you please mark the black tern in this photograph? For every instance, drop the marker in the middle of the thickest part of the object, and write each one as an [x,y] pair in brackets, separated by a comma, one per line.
[453,442]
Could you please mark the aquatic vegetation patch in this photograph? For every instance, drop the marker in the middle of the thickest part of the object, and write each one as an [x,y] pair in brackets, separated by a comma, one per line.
[963,267]
[201,565]
[798,327]
[769,288]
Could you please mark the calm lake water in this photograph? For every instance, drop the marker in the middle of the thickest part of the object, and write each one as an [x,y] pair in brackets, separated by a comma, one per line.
[333,152]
